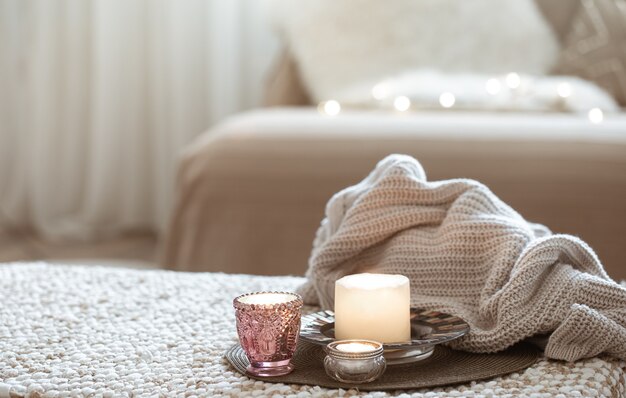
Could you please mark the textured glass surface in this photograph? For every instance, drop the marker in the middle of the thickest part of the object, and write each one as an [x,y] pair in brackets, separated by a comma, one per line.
[268,333]
[355,370]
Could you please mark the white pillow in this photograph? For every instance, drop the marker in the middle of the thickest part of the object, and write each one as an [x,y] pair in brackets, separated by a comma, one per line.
[340,44]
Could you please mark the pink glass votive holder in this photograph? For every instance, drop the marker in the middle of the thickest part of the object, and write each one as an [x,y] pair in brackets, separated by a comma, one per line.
[268,325]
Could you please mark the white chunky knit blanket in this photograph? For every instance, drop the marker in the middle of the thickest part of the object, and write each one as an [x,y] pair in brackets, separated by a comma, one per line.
[105,332]
[467,253]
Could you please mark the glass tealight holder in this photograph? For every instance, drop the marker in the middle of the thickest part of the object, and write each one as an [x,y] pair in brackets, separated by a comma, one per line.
[268,325]
[354,361]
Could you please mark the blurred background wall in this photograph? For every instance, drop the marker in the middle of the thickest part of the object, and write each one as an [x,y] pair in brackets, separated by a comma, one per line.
[97,98]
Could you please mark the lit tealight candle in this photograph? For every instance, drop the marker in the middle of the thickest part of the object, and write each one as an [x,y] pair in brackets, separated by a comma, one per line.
[267,298]
[354,361]
[373,307]
[268,326]
[357,347]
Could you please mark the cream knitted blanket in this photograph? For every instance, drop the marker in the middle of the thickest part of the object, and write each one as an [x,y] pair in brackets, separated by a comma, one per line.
[468,253]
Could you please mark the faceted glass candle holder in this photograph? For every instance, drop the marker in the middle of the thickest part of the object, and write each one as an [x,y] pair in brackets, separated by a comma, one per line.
[354,361]
[268,325]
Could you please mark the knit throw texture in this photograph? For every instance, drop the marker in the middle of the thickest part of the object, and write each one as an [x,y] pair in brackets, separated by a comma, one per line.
[469,254]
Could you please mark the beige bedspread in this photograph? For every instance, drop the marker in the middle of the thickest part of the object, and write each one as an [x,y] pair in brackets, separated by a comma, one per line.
[251,192]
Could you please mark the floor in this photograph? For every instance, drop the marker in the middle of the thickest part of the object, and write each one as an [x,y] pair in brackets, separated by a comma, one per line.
[137,250]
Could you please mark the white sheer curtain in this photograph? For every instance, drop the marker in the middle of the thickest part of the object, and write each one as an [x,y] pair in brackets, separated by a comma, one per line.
[97,97]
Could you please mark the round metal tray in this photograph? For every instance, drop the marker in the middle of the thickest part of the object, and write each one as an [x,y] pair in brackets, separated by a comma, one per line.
[428,328]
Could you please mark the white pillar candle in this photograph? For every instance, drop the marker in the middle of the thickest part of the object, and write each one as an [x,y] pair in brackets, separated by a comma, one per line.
[373,307]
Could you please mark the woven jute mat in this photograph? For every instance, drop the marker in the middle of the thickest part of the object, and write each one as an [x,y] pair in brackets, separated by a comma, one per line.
[445,366]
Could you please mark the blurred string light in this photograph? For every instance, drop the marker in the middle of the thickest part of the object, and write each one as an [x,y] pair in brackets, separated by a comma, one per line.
[402,103]
[564,90]
[493,86]
[595,115]
[380,91]
[329,108]
[513,80]
[447,100]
